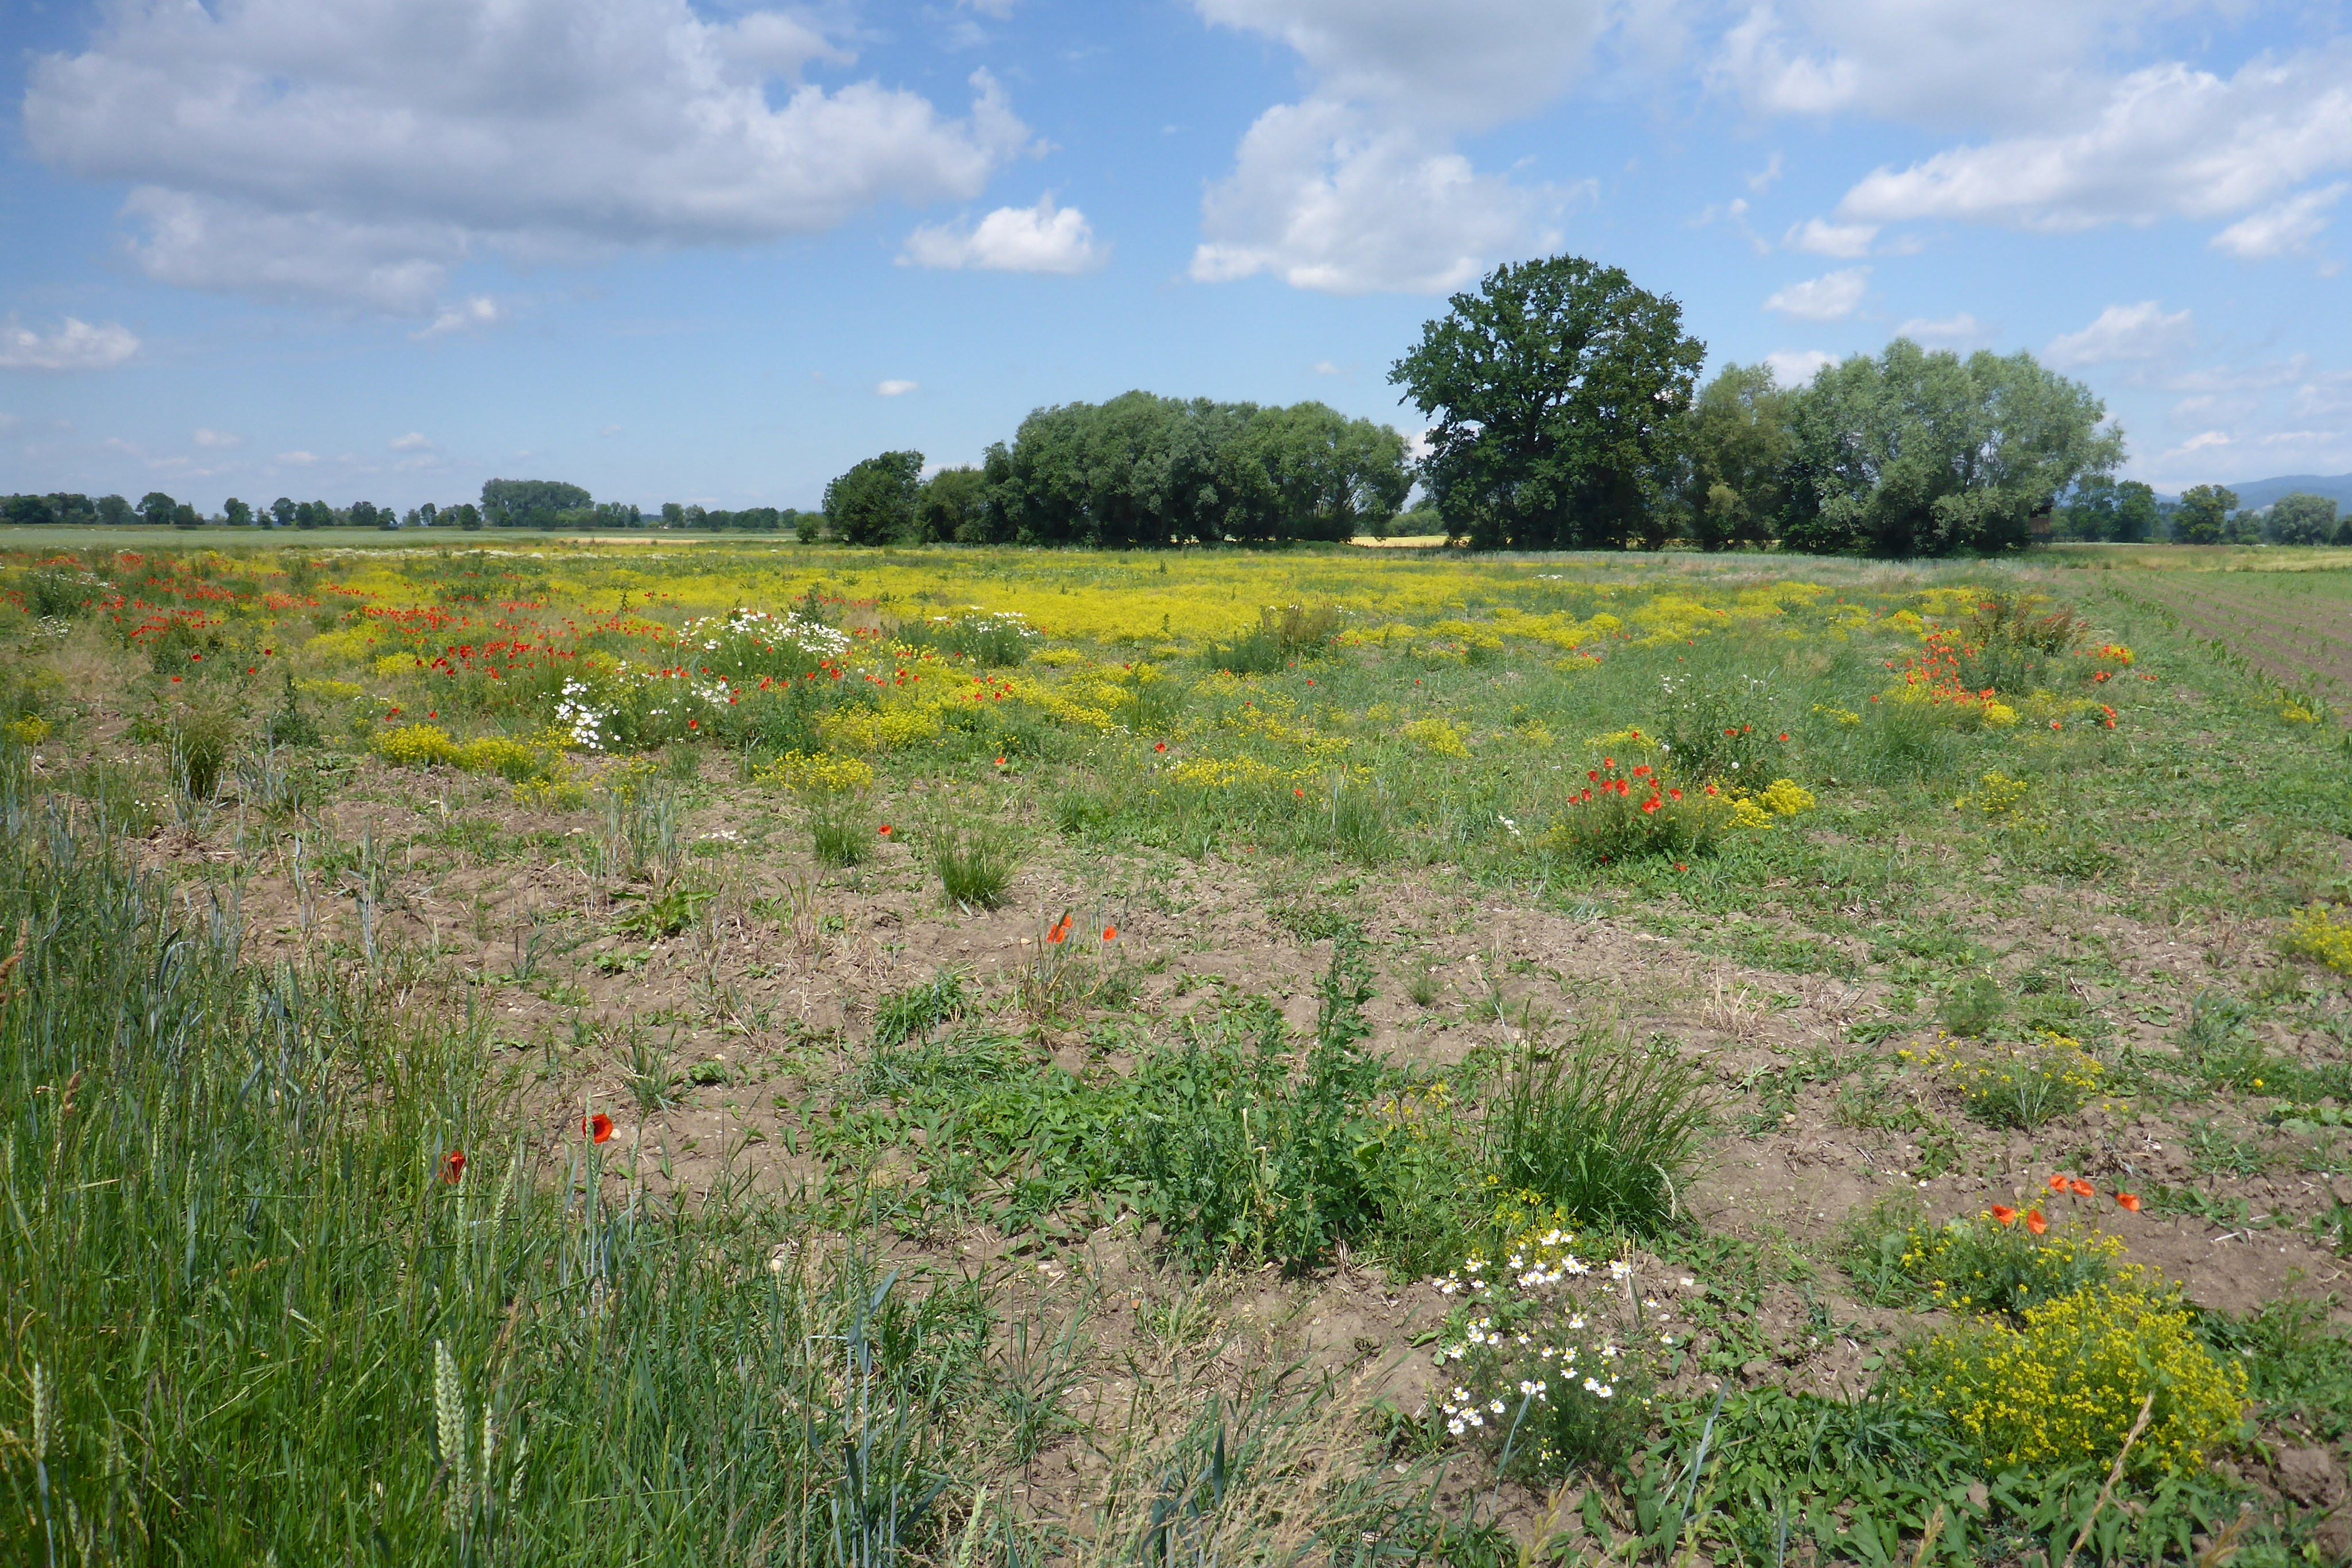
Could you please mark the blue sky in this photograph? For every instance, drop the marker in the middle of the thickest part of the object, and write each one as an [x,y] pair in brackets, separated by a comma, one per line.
[386,249]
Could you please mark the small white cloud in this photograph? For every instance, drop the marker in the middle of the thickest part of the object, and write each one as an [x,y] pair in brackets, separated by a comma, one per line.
[2285,229]
[895,389]
[1041,238]
[218,439]
[481,310]
[1795,367]
[1829,298]
[1960,328]
[2204,441]
[414,441]
[2141,331]
[297,459]
[73,345]
[1761,180]
[1326,368]
[610,431]
[1844,241]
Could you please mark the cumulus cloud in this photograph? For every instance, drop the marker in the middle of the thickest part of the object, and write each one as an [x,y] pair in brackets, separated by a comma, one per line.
[297,459]
[355,151]
[1829,298]
[480,311]
[1323,201]
[2123,333]
[1960,328]
[1357,188]
[414,441]
[2287,229]
[1844,241]
[1467,64]
[895,389]
[72,344]
[2167,142]
[1795,367]
[218,439]
[1041,238]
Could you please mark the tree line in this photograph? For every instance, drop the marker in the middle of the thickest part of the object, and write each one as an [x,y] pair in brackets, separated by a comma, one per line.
[1564,409]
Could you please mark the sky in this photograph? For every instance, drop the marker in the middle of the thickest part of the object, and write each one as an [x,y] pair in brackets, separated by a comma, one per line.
[715,253]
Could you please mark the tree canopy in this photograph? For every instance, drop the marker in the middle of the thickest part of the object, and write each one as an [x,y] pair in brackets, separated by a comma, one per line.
[1558,392]
[2302,518]
[535,503]
[874,503]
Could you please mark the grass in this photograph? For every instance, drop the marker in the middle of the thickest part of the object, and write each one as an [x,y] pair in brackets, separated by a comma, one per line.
[1353,981]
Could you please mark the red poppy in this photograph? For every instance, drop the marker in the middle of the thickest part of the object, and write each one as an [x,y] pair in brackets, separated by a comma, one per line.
[598,1128]
[453,1166]
[2058,1184]
[2003,1214]
[1000,762]
[886,829]
[2035,1223]
[2081,1189]
[1300,794]
[1110,932]
[694,724]
[1161,745]
[1784,735]
[1680,866]
[1056,936]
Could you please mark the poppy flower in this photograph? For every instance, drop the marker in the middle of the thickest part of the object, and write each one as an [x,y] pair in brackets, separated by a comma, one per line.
[2058,1185]
[1300,794]
[1680,866]
[453,1166]
[1784,735]
[2003,1214]
[1110,932]
[2035,1223]
[886,829]
[1161,746]
[1000,762]
[598,1128]
[2082,1188]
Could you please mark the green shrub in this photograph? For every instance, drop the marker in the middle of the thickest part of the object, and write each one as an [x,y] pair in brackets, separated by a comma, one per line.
[1282,636]
[1607,1129]
[202,739]
[998,639]
[1974,1007]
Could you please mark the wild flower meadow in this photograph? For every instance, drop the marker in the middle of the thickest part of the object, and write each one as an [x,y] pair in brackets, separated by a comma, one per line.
[728,1053]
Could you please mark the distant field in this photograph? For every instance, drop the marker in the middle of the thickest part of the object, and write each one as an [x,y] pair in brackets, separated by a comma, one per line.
[2288,613]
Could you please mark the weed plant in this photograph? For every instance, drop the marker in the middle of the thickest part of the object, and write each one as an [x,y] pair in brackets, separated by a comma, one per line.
[1980,1266]
[1607,1129]
[973,861]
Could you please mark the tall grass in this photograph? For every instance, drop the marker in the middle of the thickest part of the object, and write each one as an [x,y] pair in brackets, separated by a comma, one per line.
[1608,1129]
[269,1317]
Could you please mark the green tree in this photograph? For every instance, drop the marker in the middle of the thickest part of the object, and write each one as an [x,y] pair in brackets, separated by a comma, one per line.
[30,511]
[239,514]
[535,503]
[465,515]
[113,511]
[875,502]
[284,512]
[1737,450]
[954,506]
[2102,508]
[673,516]
[1558,392]
[2302,518]
[184,516]
[155,509]
[2204,515]
[1920,454]
[1328,476]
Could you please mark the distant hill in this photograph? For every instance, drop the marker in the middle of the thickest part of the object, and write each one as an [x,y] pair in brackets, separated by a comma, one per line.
[2253,494]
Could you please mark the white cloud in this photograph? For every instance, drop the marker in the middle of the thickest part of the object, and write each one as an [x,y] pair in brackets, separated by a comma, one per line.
[1467,64]
[2169,140]
[1846,241]
[356,151]
[2285,229]
[1939,62]
[218,439]
[1011,239]
[1960,328]
[2122,332]
[1829,298]
[1326,368]
[414,441]
[895,389]
[478,311]
[297,459]
[1762,180]
[1795,367]
[1322,200]
[1357,188]
[2205,442]
[72,345]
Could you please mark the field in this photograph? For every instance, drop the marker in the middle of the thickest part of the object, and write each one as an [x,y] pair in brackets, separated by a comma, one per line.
[742,1053]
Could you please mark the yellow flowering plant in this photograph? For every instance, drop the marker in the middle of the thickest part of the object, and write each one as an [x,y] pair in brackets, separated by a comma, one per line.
[2323,935]
[2064,1385]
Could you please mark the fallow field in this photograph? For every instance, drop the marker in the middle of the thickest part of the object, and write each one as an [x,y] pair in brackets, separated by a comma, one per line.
[714,1053]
